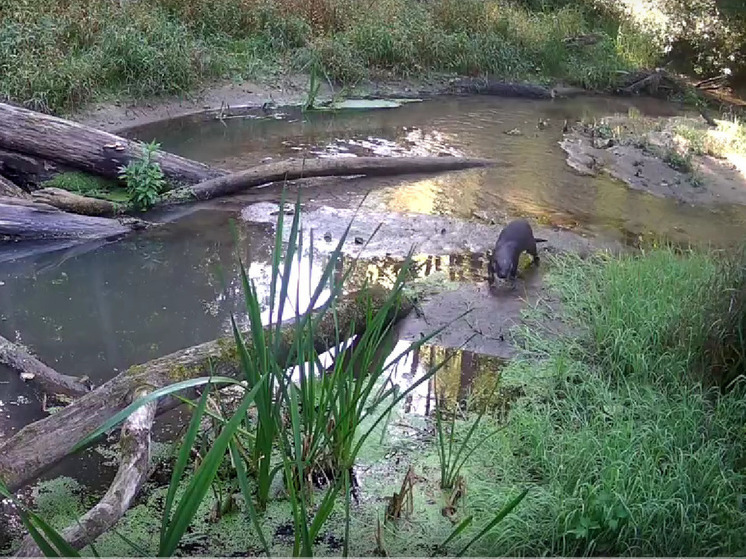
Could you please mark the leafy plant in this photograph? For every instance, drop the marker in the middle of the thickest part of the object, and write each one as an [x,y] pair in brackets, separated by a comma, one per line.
[144,178]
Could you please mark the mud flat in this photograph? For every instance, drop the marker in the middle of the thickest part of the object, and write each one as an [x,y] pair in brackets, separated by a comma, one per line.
[451,258]
[671,157]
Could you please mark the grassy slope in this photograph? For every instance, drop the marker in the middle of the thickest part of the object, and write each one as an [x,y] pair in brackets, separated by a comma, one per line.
[57,56]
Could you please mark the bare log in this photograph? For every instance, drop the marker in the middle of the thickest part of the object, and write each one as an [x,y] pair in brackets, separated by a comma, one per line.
[8,188]
[27,220]
[75,203]
[85,148]
[40,445]
[22,362]
[293,169]
[134,460]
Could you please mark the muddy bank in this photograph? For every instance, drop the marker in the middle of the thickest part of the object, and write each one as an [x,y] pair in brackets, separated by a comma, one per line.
[292,89]
[683,158]
[451,268]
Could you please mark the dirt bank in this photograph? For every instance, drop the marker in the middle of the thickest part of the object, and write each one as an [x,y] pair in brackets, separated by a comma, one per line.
[286,90]
[683,158]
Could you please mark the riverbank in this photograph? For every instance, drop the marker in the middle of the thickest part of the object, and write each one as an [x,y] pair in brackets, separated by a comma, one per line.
[61,57]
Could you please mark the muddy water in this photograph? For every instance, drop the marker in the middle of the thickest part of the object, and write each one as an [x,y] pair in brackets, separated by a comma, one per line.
[95,311]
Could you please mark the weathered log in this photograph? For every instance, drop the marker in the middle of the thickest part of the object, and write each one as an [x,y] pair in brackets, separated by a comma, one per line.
[75,203]
[293,169]
[27,171]
[22,362]
[40,445]
[10,189]
[27,220]
[134,459]
[85,148]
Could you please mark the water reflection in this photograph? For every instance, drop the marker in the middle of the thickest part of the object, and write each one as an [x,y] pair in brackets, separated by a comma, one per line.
[537,183]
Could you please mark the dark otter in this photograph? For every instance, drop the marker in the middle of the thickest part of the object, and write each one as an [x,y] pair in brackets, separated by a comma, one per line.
[515,237]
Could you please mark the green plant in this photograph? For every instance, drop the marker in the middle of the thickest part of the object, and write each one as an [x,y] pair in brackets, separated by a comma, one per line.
[144,178]
[451,460]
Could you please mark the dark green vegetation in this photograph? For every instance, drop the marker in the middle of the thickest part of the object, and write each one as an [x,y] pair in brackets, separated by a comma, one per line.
[57,56]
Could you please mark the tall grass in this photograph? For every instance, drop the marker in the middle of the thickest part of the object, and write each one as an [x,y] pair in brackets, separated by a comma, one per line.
[631,427]
[58,56]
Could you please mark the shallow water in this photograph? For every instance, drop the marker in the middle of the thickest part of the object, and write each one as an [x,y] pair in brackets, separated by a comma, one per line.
[99,311]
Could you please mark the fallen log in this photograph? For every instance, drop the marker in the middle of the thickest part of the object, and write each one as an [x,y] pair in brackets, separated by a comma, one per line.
[482,86]
[10,189]
[40,445]
[28,220]
[294,169]
[134,460]
[75,203]
[22,362]
[85,148]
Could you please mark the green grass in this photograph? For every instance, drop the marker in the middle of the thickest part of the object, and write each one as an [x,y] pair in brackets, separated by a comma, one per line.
[629,444]
[59,56]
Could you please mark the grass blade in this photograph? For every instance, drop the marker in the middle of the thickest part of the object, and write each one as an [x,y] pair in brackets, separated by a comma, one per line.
[498,517]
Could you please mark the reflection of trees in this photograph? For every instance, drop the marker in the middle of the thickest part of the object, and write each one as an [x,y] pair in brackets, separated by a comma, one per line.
[463,267]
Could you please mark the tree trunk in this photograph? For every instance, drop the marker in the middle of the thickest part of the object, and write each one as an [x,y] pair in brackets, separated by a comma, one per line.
[28,220]
[26,171]
[306,168]
[40,445]
[85,148]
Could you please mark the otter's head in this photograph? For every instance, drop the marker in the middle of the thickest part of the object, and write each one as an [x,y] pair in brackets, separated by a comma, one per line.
[505,265]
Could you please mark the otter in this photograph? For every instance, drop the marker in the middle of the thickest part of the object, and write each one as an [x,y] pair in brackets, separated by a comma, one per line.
[515,237]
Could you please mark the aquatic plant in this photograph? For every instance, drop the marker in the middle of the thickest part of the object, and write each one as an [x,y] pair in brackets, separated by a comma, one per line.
[453,459]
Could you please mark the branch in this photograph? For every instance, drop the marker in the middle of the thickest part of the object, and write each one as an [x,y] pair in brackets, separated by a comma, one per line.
[134,446]
[22,362]
[294,169]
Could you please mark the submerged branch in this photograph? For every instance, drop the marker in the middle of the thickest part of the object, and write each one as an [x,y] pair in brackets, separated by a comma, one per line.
[52,382]
[294,169]
[134,461]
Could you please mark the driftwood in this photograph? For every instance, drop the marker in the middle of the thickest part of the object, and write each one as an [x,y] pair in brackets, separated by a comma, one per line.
[8,188]
[134,460]
[297,169]
[75,203]
[40,445]
[23,363]
[27,220]
[85,148]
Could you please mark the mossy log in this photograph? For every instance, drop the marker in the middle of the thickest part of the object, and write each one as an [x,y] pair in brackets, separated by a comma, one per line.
[75,203]
[40,445]
[85,148]
[293,169]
